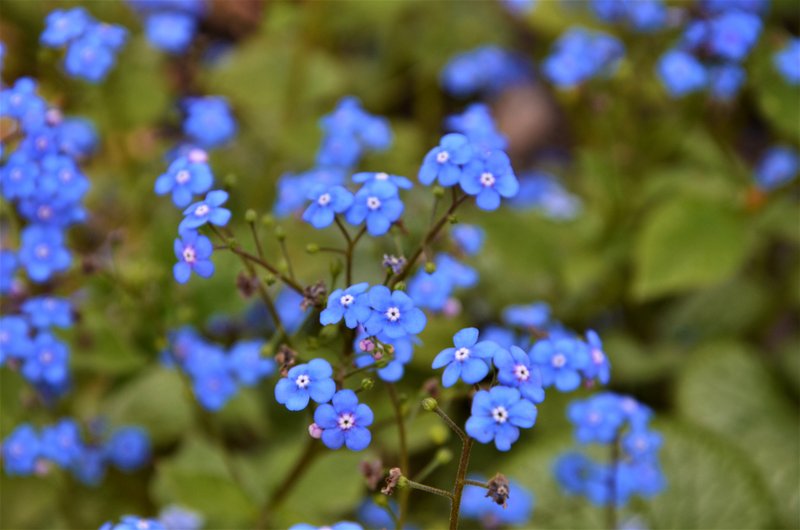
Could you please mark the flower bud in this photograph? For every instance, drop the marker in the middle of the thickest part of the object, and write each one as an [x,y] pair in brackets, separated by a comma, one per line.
[269,279]
[367,383]
[429,404]
[280,233]
[367,345]
[267,220]
[250,216]
[400,286]
[230,180]
[452,219]
[315,431]
[443,456]
[438,191]
[439,434]
[312,248]
[430,267]
[402,482]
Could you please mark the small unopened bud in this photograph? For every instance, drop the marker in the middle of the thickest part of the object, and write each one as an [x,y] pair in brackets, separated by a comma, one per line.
[439,434]
[267,220]
[438,191]
[377,355]
[400,286]
[430,267]
[336,267]
[429,404]
[312,248]
[250,216]
[280,233]
[382,362]
[315,431]
[197,156]
[269,279]
[452,219]
[367,345]
[367,383]
[443,456]
[380,500]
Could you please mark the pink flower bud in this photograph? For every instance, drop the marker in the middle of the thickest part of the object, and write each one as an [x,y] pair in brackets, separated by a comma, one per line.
[315,431]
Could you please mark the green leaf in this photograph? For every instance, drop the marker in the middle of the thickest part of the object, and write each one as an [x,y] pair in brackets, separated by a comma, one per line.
[687,243]
[726,389]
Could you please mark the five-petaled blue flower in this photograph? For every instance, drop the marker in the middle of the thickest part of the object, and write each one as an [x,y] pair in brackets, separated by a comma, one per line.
[351,304]
[43,252]
[376,202]
[515,369]
[489,177]
[498,414]
[247,363]
[470,360]
[193,252]
[306,381]
[560,361]
[46,311]
[393,313]
[129,448]
[444,162]
[326,202]
[186,176]
[344,422]
[61,442]
[47,362]
[598,367]
[209,120]
[21,450]
[206,211]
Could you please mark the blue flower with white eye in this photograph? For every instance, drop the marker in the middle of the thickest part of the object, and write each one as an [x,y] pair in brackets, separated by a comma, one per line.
[61,442]
[598,367]
[47,311]
[351,304]
[560,362]
[129,448]
[469,359]
[15,342]
[42,252]
[39,142]
[326,202]
[787,61]
[208,210]
[51,210]
[47,362]
[731,35]
[89,57]
[64,25]
[489,177]
[21,450]
[344,422]
[515,369]
[597,419]
[209,121]
[641,443]
[61,176]
[444,163]
[777,167]
[377,203]
[469,238]
[498,414]
[193,252]
[312,380]
[19,176]
[395,180]
[170,31]
[186,176]
[247,363]
[393,313]
[535,315]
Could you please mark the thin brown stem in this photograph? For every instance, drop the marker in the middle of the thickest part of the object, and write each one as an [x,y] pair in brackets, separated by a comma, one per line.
[404,461]
[450,423]
[458,488]
[427,489]
[476,483]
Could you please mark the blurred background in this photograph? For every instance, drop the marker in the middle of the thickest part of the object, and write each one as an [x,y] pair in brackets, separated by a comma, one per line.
[645,221]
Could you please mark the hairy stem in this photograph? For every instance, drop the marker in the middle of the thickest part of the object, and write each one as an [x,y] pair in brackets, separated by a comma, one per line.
[428,489]
[476,483]
[458,488]
[450,423]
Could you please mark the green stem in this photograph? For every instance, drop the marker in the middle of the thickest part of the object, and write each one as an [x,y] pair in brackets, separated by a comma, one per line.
[476,483]
[450,423]
[458,488]
[428,489]
[285,252]
[404,463]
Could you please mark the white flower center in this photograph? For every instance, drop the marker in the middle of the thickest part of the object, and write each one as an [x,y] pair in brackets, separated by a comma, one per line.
[521,372]
[462,354]
[629,405]
[500,414]
[597,356]
[189,255]
[324,199]
[42,251]
[15,174]
[44,212]
[4,336]
[487,179]
[393,314]
[197,155]
[373,203]
[65,175]
[558,360]
[346,300]
[442,157]
[41,144]
[302,381]
[46,357]
[346,421]
[201,210]
[640,443]
[594,418]
[182,177]
[381,176]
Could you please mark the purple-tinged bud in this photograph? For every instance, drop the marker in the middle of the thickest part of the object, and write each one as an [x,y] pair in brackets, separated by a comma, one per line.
[315,431]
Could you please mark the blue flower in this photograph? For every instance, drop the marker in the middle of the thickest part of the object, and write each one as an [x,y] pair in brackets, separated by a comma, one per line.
[128,448]
[470,360]
[560,361]
[598,367]
[170,31]
[90,465]
[444,163]
[21,103]
[89,57]
[132,522]
[395,180]
[9,264]
[430,290]
[580,54]
[477,124]
[77,137]
[47,311]
[177,518]
[206,211]
[487,69]
[725,81]
[731,35]
[572,471]
[293,189]
[290,310]
[489,178]
[475,504]
[777,167]
[469,238]
[51,211]
[61,176]
[377,203]
[681,73]
[597,419]
[247,363]
[47,362]
[348,130]
[535,315]
[498,414]
[787,61]
[342,525]
[344,422]
[505,338]
[327,201]
[186,176]
[42,252]
[647,15]
[459,274]
[306,381]
[212,381]
[515,369]
[14,340]
[193,252]
[641,444]
[351,304]
[19,176]
[21,450]
[61,442]
[209,121]
[64,25]
[393,313]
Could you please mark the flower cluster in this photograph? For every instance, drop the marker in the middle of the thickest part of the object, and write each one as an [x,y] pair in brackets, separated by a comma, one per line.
[348,132]
[487,69]
[621,423]
[644,16]
[580,54]
[28,452]
[92,46]
[216,373]
[170,26]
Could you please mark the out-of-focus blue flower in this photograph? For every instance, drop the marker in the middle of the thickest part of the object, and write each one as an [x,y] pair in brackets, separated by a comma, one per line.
[430,290]
[292,315]
[498,414]
[476,505]
[176,518]
[61,442]
[46,311]
[47,362]
[92,55]
[193,252]
[212,380]
[209,121]
[186,176]
[535,315]
[9,264]
[64,25]
[351,304]
[394,180]
[724,81]
[469,360]
[129,448]
[304,382]
[42,252]
[15,342]
[247,363]
[641,443]
[489,177]
[21,450]
[208,210]
[19,176]
[341,525]
[170,31]
[132,522]
[21,103]
[293,189]
[681,73]
[515,369]
[393,313]
[519,7]
[326,202]
[777,167]
[77,137]
[560,361]
[477,124]
[722,6]
[344,422]
[731,35]
[597,419]
[580,54]
[378,204]
[445,162]
[598,367]
[488,69]
[469,238]
[787,61]
[571,470]
[348,130]
[90,465]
